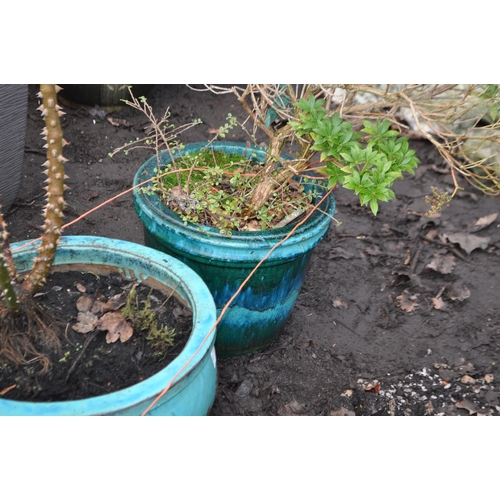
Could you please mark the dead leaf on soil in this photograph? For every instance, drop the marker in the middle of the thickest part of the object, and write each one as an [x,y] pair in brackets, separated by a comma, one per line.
[114,303]
[407,302]
[443,264]
[431,234]
[468,242]
[117,326]
[292,409]
[92,195]
[86,322]
[80,288]
[84,303]
[468,405]
[440,304]
[343,412]
[457,292]
[483,222]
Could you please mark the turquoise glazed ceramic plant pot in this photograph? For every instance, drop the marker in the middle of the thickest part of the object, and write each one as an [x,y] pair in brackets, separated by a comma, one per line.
[260,311]
[192,372]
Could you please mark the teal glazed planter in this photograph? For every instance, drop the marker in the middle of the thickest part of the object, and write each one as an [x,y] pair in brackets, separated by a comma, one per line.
[194,369]
[260,311]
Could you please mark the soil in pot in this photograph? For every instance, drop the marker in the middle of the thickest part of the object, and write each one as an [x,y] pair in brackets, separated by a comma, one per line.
[87,365]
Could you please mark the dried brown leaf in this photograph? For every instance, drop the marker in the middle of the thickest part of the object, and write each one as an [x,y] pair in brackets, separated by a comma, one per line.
[84,303]
[80,288]
[440,304]
[431,234]
[343,412]
[443,264]
[483,222]
[98,307]
[468,242]
[457,292]
[86,322]
[114,303]
[467,405]
[406,302]
[117,326]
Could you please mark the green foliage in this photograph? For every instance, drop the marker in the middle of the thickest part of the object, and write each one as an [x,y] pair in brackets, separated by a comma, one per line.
[214,189]
[159,338]
[366,162]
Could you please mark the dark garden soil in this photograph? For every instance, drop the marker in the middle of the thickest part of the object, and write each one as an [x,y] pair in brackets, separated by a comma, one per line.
[86,364]
[399,313]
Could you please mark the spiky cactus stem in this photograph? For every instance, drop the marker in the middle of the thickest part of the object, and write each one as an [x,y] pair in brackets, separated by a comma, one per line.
[53,211]
[7,275]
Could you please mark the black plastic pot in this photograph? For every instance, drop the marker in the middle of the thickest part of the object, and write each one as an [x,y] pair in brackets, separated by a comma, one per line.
[13,113]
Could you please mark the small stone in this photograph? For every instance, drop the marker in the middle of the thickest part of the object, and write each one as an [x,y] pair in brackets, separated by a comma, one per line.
[467,379]
[244,389]
[489,378]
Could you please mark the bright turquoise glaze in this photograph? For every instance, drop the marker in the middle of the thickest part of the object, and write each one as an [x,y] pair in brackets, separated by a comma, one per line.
[193,390]
[261,310]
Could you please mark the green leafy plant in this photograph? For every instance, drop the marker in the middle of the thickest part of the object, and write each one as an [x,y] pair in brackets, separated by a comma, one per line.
[159,338]
[244,194]
[367,162]
[354,136]
[460,121]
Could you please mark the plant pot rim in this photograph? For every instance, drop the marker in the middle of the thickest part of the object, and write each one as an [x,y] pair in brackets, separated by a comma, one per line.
[155,265]
[152,208]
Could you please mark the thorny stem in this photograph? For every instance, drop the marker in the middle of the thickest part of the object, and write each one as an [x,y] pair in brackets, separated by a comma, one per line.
[53,211]
[7,275]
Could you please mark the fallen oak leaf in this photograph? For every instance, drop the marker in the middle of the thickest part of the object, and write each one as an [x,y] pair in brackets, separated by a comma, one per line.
[483,222]
[440,304]
[468,242]
[406,302]
[84,303]
[116,325]
[114,303]
[457,292]
[86,322]
[467,405]
[443,264]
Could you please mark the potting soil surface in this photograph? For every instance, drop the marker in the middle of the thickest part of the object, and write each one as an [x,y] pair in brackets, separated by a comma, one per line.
[399,313]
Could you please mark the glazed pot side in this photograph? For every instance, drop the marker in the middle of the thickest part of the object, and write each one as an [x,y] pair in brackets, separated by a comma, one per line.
[260,311]
[194,369]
